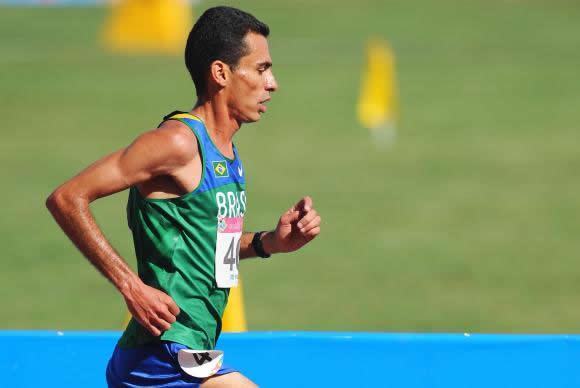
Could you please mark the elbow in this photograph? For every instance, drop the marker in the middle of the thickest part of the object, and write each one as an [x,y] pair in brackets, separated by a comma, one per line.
[65,199]
[59,200]
[55,200]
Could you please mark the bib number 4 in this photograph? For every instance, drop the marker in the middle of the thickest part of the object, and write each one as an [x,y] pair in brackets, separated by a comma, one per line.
[232,256]
[227,252]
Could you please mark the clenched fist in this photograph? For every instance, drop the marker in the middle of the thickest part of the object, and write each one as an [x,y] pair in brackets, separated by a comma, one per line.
[153,309]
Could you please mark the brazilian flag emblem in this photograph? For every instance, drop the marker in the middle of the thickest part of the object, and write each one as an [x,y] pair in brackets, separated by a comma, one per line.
[220,169]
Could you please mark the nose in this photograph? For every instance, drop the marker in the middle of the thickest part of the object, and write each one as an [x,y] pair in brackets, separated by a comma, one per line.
[271,84]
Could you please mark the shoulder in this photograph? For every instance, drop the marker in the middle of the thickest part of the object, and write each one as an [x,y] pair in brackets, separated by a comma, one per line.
[175,139]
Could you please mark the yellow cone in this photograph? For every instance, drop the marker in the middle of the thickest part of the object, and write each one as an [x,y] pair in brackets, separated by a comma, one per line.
[234,319]
[376,106]
[153,26]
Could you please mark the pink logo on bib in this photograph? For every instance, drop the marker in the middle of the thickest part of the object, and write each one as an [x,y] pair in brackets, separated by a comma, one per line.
[231,224]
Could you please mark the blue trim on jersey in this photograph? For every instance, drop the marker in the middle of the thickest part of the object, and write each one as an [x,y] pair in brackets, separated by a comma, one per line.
[152,365]
[212,180]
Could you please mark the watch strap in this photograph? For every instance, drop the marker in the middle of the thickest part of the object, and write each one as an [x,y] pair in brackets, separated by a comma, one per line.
[258,247]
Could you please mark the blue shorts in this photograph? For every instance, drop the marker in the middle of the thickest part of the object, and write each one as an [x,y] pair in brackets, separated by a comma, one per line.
[151,366]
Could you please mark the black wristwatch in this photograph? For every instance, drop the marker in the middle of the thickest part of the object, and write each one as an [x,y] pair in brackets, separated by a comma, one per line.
[258,247]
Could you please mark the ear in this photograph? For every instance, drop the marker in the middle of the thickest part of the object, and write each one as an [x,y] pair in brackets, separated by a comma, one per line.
[219,72]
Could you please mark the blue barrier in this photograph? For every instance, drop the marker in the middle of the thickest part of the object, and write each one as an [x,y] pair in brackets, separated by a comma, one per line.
[78,359]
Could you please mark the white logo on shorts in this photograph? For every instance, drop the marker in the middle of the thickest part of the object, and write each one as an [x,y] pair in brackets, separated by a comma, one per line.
[200,363]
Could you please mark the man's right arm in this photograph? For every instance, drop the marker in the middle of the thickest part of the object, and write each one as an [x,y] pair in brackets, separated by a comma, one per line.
[158,152]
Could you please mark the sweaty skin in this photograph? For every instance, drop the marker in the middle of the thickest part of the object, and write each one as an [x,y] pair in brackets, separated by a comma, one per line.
[164,163]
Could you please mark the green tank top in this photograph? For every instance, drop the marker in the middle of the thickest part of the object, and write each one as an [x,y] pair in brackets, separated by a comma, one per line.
[188,246]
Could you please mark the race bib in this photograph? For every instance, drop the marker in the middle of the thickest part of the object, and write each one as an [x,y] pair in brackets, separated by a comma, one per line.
[227,251]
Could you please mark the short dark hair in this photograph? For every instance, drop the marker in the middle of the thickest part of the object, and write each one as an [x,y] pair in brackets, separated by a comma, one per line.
[218,35]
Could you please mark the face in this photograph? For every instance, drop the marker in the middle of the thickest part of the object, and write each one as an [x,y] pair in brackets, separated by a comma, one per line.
[252,81]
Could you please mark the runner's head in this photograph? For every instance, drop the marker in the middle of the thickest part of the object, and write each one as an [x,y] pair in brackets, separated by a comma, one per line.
[227,53]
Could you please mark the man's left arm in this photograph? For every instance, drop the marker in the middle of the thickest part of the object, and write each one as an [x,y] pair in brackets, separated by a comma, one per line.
[297,226]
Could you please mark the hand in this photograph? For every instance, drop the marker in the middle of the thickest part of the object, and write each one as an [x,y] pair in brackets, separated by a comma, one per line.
[153,309]
[297,227]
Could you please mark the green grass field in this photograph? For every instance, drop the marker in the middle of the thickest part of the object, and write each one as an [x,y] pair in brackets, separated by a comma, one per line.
[468,223]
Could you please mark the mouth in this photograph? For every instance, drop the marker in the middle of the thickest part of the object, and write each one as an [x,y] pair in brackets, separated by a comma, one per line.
[262,105]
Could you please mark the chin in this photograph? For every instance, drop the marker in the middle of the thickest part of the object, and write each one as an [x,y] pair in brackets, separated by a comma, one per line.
[253,118]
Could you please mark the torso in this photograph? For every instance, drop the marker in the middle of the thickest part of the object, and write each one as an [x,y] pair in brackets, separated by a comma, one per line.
[186,227]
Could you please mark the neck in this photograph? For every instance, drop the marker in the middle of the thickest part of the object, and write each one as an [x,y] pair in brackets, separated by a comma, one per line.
[221,126]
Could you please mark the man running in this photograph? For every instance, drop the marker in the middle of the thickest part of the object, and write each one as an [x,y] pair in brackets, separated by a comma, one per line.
[186,207]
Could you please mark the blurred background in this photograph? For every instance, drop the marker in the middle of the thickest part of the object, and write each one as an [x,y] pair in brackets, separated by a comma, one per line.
[467,221]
